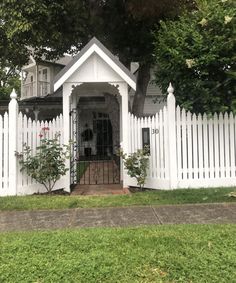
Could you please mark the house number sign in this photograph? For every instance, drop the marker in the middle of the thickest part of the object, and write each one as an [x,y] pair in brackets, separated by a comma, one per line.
[155,131]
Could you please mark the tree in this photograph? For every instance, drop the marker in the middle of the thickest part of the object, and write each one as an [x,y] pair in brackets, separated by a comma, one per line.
[123,26]
[9,79]
[11,60]
[197,54]
[129,34]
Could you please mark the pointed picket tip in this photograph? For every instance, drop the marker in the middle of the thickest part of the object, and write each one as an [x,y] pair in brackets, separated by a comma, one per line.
[13,94]
[29,120]
[215,116]
[170,89]
[189,113]
[199,117]
[226,115]
[204,115]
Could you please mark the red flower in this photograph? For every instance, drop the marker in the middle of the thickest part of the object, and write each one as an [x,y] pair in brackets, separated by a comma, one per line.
[45,129]
[40,135]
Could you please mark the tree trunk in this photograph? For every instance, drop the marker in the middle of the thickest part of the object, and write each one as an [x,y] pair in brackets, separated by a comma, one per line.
[141,89]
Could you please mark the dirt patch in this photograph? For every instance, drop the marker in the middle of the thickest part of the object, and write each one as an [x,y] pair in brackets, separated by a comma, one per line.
[55,192]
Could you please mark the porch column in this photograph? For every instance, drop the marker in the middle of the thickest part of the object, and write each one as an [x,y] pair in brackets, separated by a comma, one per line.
[123,87]
[13,131]
[66,129]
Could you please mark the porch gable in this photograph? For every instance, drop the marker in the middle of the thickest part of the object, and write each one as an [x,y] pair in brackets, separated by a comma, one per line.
[98,63]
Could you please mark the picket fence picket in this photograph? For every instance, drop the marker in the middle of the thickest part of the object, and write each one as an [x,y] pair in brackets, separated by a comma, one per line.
[6,151]
[232,145]
[200,146]
[195,146]
[221,149]
[157,127]
[1,152]
[178,141]
[216,145]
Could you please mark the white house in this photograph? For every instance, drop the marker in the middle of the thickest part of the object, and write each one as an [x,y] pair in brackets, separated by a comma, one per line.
[97,79]
[40,99]
[93,91]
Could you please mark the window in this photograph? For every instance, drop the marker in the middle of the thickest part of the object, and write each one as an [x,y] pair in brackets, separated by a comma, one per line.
[43,75]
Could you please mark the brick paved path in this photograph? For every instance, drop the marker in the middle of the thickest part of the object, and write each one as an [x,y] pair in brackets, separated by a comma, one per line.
[121,216]
[101,172]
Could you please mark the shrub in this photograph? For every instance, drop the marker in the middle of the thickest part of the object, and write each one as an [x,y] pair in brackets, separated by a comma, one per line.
[137,164]
[47,165]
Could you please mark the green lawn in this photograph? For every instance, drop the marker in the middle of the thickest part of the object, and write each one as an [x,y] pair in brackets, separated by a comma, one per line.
[184,253]
[143,198]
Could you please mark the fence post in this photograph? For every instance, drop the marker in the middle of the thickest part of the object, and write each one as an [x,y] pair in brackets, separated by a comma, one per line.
[13,129]
[171,110]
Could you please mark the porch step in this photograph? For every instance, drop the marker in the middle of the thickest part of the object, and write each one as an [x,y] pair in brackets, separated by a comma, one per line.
[109,189]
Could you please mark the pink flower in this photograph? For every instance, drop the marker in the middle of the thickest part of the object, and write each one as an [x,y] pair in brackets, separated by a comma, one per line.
[40,135]
[45,129]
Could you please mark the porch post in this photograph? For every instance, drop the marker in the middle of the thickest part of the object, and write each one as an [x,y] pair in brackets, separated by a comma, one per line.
[123,87]
[66,129]
[171,112]
[13,130]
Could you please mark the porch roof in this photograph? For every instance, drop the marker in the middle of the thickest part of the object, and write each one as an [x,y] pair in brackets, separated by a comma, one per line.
[94,46]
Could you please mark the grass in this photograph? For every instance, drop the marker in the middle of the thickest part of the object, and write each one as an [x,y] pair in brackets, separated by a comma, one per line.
[184,253]
[144,198]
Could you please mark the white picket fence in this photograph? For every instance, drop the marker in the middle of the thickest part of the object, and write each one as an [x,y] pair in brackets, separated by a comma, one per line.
[15,131]
[187,150]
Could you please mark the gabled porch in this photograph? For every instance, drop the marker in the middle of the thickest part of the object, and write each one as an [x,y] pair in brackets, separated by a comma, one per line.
[95,112]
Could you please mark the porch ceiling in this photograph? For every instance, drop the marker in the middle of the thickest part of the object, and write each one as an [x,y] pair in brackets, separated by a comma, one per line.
[95,89]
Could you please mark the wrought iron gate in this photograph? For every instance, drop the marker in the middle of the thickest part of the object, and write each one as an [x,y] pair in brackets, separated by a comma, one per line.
[93,157]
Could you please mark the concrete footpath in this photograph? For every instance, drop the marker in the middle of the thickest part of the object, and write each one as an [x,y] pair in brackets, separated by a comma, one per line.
[118,216]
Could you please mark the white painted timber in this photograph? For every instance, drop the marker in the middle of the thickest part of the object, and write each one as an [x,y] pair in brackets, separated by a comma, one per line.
[171,156]
[94,67]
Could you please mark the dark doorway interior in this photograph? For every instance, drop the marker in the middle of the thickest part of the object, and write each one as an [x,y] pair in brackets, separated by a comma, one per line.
[97,162]
[104,143]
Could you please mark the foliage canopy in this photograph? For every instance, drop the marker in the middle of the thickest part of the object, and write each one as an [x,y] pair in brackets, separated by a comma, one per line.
[123,26]
[197,53]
